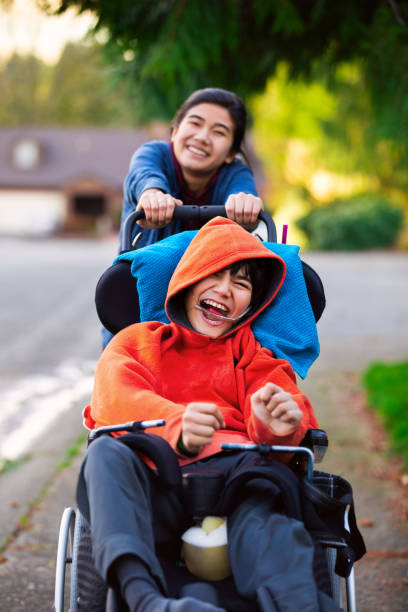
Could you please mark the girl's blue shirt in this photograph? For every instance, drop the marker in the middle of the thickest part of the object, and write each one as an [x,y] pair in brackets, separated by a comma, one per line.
[151,167]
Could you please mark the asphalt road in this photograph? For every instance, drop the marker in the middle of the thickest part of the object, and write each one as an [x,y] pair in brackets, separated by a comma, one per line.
[50,344]
[366,316]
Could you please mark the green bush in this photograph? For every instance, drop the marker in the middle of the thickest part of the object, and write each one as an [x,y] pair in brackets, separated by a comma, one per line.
[387,392]
[365,221]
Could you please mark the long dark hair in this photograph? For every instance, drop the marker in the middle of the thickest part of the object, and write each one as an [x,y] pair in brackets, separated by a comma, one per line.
[221,97]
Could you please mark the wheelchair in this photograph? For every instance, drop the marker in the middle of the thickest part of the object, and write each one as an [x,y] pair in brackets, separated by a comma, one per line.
[117,306]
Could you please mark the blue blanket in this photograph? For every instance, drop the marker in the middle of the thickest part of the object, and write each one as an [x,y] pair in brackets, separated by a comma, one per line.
[287,327]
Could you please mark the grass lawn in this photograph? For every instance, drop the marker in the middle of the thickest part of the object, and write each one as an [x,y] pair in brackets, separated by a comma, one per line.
[386,387]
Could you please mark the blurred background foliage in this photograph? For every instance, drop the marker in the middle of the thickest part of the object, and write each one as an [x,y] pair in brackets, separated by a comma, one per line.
[326,83]
[363,221]
[75,91]
[322,143]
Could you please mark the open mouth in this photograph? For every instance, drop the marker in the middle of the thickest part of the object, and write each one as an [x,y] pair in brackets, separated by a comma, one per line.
[213,311]
[214,308]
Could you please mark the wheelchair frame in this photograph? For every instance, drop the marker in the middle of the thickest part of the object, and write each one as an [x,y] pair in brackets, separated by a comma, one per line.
[73,525]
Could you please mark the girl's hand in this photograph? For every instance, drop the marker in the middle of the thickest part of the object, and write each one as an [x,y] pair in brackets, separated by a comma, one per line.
[158,207]
[244,209]
[276,408]
[200,421]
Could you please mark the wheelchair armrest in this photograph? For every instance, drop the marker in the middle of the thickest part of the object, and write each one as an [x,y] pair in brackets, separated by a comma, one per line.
[316,440]
[131,426]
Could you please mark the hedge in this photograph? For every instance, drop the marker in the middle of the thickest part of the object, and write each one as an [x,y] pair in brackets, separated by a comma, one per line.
[366,221]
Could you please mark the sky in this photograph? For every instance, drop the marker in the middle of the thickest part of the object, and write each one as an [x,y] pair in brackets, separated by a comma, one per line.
[26,29]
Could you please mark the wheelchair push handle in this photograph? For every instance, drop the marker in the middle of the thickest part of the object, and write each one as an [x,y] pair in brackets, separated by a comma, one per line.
[131,426]
[193,213]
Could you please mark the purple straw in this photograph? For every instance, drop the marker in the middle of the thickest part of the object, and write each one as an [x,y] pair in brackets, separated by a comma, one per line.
[284,234]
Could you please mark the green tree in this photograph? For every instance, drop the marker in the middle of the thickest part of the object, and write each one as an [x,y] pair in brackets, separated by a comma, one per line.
[81,91]
[322,139]
[336,123]
[76,91]
[386,75]
[167,48]
[21,84]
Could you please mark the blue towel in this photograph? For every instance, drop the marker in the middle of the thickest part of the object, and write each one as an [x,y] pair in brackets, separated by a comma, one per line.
[287,327]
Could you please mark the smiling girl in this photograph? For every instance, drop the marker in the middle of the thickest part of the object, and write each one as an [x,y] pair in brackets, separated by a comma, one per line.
[198,166]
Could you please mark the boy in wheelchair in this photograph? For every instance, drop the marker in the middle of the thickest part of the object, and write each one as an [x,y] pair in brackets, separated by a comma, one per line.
[212,382]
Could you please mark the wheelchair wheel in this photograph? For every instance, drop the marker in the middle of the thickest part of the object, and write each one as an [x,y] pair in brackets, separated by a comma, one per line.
[80,527]
[64,556]
[88,590]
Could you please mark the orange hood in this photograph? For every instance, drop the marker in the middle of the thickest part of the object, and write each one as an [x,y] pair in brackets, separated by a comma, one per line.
[219,244]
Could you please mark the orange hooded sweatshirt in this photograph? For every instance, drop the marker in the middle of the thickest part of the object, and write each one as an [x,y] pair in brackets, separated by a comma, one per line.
[153,370]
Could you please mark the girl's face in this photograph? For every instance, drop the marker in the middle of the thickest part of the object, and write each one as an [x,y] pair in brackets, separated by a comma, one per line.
[203,140]
[220,293]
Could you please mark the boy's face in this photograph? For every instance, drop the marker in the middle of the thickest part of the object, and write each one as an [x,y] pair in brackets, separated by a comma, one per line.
[220,293]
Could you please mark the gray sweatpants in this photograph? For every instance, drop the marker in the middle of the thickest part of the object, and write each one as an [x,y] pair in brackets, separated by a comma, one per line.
[131,512]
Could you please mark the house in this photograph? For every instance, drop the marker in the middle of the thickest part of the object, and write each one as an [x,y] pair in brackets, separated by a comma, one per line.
[68,180]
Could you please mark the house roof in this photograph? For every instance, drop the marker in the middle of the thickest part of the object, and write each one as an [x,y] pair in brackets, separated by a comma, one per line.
[66,155]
